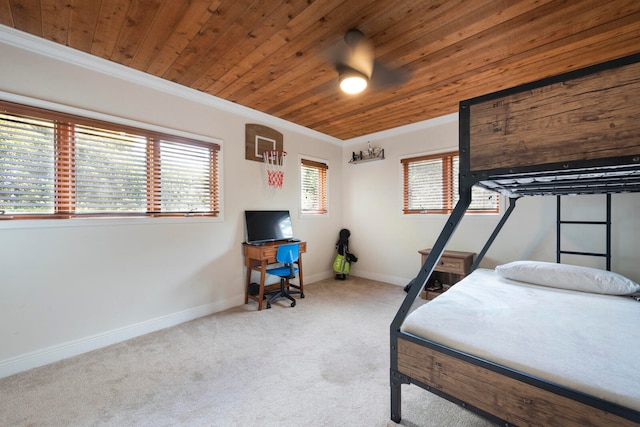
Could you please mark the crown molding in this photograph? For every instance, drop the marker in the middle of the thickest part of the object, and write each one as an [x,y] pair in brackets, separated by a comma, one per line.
[402,130]
[40,46]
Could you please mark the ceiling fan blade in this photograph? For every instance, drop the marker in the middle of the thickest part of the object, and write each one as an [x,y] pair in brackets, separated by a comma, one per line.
[361,58]
[352,52]
[384,76]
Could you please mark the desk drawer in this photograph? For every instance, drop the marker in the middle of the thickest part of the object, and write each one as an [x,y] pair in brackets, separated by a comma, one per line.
[269,252]
[266,252]
[450,265]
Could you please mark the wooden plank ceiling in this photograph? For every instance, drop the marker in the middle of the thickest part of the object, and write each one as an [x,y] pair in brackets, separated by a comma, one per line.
[271,55]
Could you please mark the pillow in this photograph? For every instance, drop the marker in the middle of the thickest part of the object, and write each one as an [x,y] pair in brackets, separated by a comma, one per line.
[570,277]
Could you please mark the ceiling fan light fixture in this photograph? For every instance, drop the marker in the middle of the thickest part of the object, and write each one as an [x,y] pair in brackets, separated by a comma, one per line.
[353,82]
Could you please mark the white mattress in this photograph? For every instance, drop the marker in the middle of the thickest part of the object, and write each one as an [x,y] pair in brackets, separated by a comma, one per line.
[587,342]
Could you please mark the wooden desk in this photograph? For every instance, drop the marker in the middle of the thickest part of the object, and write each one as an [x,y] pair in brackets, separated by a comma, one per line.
[257,257]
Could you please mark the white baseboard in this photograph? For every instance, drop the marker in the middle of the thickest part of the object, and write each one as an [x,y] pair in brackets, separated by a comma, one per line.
[393,280]
[310,278]
[58,352]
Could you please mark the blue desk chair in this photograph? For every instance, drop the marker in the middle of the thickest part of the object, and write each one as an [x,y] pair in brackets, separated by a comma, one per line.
[287,255]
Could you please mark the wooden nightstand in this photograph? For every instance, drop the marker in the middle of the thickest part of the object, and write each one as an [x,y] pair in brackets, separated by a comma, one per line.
[452,267]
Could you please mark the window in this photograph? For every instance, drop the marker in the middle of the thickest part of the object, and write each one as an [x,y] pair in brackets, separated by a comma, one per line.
[431,187]
[313,185]
[54,165]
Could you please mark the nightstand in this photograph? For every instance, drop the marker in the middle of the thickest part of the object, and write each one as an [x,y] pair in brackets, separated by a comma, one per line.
[452,267]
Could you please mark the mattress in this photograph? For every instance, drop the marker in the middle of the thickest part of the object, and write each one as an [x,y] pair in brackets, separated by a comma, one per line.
[584,341]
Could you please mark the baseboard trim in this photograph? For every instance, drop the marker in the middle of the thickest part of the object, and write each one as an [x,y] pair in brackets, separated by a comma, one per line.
[392,280]
[62,351]
[308,279]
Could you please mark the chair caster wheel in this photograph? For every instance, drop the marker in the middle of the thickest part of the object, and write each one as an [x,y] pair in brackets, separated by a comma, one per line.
[293,304]
[268,306]
[301,295]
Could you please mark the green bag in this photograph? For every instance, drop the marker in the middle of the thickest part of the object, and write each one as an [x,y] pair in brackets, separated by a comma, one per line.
[340,265]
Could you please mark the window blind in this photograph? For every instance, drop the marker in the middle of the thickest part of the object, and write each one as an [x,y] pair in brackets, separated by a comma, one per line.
[482,200]
[187,177]
[110,171]
[426,185]
[431,186]
[27,165]
[313,187]
[58,165]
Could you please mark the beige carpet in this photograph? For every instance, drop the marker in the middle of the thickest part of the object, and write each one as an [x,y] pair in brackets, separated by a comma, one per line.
[324,362]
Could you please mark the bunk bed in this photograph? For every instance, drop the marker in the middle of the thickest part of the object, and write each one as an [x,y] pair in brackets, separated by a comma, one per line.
[576,133]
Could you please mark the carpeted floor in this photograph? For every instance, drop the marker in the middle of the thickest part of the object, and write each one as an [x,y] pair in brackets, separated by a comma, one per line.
[324,362]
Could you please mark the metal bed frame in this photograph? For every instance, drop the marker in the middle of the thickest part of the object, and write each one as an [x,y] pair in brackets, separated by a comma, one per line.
[617,174]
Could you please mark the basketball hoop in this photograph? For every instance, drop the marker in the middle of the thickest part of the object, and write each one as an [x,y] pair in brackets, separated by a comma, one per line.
[274,163]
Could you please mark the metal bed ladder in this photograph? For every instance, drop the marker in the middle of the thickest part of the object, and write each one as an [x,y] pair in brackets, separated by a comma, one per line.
[607,223]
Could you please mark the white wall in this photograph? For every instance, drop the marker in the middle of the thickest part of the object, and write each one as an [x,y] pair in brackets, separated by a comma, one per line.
[387,242]
[67,286]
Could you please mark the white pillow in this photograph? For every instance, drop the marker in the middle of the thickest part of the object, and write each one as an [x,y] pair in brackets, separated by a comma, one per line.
[570,277]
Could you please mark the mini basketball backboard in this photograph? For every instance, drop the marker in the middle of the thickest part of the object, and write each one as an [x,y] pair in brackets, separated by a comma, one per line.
[259,139]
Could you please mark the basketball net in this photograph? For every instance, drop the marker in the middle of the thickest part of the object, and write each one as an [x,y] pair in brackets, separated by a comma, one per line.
[274,163]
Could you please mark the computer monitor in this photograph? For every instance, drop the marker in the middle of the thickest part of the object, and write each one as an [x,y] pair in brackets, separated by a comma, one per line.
[267,226]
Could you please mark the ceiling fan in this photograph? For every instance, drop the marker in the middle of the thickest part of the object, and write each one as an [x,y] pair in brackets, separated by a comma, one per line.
[357,67]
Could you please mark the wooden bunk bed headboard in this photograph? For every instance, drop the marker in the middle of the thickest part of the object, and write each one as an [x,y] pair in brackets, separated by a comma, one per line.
[574,133]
